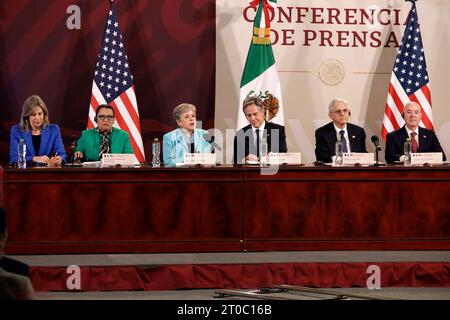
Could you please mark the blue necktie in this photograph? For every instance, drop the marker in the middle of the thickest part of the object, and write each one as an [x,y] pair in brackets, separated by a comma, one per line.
[343,141]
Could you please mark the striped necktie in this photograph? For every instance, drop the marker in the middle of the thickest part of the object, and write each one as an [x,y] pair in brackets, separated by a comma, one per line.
[105,145]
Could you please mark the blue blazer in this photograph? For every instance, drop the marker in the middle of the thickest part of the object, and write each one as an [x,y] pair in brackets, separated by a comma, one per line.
[175,145]
[51,142]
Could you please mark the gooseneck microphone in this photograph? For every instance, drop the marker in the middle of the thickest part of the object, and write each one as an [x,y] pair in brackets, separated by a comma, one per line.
[210,139]
[376,142]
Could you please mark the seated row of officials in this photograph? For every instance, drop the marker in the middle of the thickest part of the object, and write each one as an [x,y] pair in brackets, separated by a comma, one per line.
[44,144]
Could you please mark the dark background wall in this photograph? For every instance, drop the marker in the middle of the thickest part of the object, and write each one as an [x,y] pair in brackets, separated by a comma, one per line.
[170,46]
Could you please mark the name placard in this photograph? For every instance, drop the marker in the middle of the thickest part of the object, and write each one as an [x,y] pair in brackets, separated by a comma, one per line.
[199,158]
[287,158]
[426,157]
[356,157]
[123,159]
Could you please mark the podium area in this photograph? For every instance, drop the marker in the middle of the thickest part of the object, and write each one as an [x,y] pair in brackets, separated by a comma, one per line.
[226,209]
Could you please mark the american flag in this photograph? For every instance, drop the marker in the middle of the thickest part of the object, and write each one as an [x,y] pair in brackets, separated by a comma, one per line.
[113,84]
[409,79]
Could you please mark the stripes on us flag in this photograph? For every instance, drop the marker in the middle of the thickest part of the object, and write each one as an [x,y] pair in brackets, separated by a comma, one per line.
[409,79]
[113,85]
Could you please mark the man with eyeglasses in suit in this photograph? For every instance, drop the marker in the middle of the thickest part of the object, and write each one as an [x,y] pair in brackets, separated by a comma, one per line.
[422,139]
[352,136]
[104,138]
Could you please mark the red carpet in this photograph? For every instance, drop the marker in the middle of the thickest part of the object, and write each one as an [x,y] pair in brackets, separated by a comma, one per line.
[208,276]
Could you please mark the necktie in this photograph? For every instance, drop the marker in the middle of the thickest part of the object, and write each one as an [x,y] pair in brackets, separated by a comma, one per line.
[414,146]
[343,141]
[104,146]
[257,142]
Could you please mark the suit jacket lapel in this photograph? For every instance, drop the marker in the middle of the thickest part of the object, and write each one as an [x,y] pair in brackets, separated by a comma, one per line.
[44,140]
[198,141]
[182,140]
[29,142]
[332,138]
[352,137]
[250,141]
[423,140]
[267,134]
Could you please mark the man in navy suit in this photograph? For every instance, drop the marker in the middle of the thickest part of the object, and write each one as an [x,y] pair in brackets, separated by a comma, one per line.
[352,136]
[425,140]
[245,146]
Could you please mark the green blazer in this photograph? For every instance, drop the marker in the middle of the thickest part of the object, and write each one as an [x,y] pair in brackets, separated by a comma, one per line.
[89,143]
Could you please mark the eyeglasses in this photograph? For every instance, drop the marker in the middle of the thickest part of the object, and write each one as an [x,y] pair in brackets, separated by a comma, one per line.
[344,111]
[106,118]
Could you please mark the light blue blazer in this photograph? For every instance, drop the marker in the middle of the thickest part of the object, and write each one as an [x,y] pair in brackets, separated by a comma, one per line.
[175,145]
[51,143]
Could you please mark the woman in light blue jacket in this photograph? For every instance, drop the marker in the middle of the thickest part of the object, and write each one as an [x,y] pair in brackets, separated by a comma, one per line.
[186,139]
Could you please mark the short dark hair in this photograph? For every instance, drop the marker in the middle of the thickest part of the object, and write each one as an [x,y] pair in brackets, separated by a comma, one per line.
[252,100]
[3,221]
[104,106]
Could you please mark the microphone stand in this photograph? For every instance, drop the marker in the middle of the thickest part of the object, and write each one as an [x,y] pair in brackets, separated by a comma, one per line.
[377,164]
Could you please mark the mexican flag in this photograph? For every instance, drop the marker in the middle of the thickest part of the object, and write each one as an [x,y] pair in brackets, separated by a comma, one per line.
[260,76]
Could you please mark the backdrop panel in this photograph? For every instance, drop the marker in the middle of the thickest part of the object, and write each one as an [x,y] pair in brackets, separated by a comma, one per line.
[170,48]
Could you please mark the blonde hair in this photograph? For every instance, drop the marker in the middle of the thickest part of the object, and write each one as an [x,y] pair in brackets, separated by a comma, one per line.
[182,108]
[27,110]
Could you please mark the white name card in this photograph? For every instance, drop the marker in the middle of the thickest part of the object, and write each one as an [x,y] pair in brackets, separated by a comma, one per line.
[355,157]
[123,159]
[288,158]
[199,158]
[426,157]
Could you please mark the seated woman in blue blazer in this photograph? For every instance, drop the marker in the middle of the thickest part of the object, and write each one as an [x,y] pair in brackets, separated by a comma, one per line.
[186,139]
[43,140]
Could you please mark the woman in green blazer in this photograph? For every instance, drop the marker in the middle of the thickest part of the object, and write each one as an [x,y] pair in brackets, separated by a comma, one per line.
[104,138]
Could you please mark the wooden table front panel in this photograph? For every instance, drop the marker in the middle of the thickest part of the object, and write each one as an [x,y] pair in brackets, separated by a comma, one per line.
[101,207]
[345,208]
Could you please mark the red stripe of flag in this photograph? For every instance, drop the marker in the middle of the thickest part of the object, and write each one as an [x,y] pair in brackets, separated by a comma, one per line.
[123,125]
[427,93]
[131,110]
[398,102]
[426,121]
[391,117]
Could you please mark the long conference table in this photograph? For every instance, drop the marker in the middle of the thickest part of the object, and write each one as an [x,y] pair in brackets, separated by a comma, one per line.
[226,208]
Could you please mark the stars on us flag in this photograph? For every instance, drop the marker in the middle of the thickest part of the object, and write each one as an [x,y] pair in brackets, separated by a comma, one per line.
[410,67]
[112,72]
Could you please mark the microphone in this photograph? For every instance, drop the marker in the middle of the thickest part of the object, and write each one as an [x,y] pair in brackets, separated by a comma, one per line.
[73,146]
[210,139]
[376,142]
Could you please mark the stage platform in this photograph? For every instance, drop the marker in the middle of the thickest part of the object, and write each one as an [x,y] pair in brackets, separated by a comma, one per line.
[249,270]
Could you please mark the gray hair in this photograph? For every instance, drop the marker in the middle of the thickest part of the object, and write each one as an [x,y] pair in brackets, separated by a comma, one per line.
[27,110]
[334,102]
[252,100]
[412,102]
[182,108]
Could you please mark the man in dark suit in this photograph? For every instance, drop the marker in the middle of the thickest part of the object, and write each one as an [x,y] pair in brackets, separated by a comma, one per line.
[352,136]
[422,140]
[8,264]
[246,147]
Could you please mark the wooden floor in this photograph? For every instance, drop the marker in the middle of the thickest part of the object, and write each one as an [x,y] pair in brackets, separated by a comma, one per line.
[208,294]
